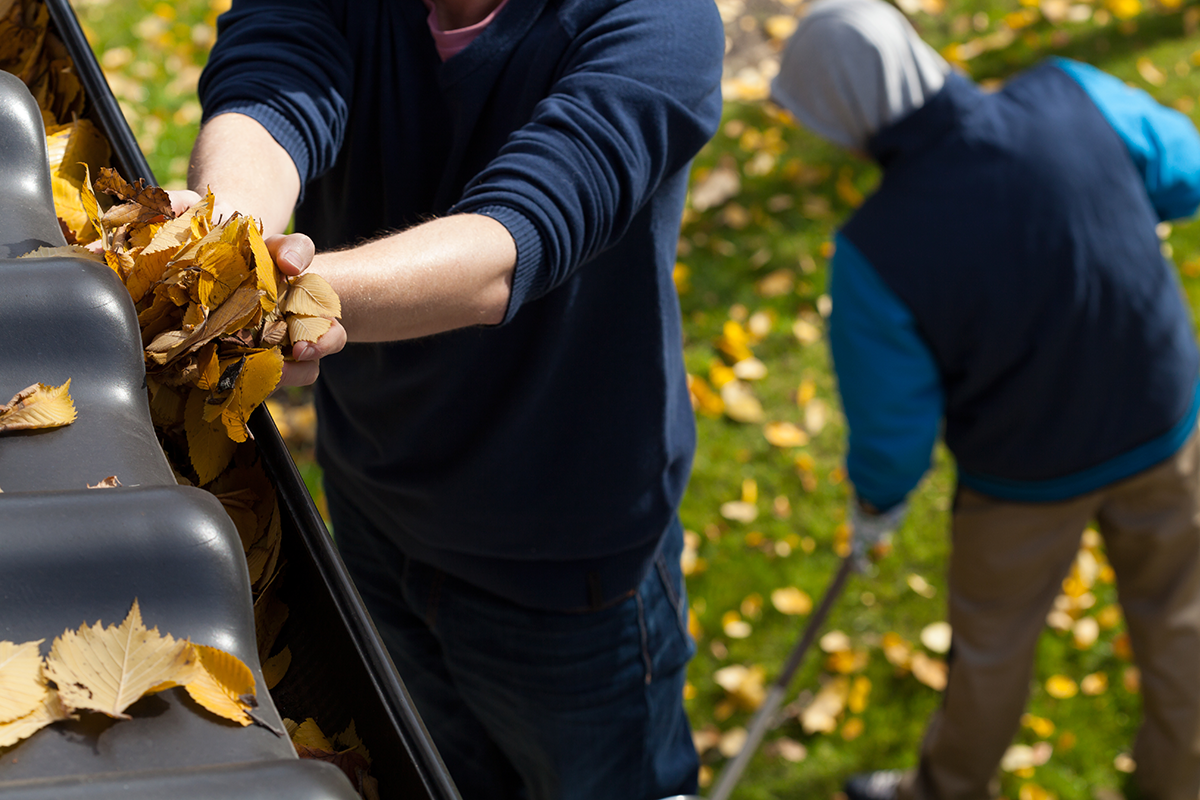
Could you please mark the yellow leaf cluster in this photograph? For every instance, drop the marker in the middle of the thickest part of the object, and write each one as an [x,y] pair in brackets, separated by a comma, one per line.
[216,314]
[106,670]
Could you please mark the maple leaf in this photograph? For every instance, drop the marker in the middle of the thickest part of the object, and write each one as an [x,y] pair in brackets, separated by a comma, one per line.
[109,669]
[38,406]
[21,686]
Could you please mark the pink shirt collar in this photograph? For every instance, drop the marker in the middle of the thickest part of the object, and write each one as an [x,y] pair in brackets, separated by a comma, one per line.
[451,43]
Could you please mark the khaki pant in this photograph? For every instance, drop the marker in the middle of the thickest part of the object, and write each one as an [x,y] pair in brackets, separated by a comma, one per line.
[1007,566]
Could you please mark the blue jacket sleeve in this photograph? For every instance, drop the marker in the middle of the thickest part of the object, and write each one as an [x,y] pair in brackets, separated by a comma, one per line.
[283,63]
[638,98]
[888,380]
[1163,143]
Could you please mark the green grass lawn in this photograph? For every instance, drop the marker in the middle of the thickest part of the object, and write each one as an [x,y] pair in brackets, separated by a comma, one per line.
[752,278]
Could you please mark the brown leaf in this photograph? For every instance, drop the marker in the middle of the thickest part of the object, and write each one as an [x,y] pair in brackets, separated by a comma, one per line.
[152,198]
[110,482]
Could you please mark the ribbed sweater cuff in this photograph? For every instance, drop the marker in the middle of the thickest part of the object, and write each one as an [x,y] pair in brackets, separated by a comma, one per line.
[528,275]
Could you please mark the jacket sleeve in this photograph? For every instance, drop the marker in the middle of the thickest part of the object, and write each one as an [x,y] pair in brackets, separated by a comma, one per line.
[888,380]
[285,64]
[1163,143]
[638,97]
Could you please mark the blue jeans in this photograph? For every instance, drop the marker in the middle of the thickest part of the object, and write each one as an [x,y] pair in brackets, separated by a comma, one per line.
[534,704]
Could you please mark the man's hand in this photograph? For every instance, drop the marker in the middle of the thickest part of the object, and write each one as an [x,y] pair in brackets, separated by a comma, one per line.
[293,254]
[871,531]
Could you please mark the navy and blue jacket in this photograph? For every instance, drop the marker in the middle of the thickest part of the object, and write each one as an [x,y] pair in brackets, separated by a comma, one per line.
[1005,287]
[541,459]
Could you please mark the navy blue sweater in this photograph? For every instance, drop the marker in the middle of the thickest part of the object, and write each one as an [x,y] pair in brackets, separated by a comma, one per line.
[543,458]
[1006,280]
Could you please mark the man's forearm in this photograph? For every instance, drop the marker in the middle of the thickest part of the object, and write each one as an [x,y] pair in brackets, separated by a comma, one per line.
[448,273]
[451,272]
[246,169]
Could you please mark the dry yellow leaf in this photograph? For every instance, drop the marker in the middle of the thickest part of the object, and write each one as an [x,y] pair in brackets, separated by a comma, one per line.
[70,251]
[310,295]
[1094,684]
[307,329]
[785,434]
[349,740]
[835,641]
[209,446]
[275,667]
[820,716]
[896,650]
[1061,687]
[48,709]
[222,271]
[21,686]
[704,399]
[91,207]
[221,683]
[309,734]
[38,406]
[258,377]
[739,511]
[744,684]
[790,600]
[930,671]
[740,403]
[109,669]
[936,637]
[264,267]
[860,690]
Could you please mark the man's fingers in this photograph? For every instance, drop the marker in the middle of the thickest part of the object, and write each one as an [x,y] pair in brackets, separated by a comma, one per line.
[292,252]
[299,373]
[306,357]
[332,341]
[182,200]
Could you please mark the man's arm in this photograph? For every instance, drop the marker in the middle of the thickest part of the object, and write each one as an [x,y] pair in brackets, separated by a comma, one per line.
[444,274]
[1163,143]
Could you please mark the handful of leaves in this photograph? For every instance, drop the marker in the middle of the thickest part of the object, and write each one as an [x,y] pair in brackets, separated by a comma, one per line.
[217,315]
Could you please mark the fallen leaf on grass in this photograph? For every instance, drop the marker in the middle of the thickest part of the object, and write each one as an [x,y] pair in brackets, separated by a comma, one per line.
[743,684]
[1061,687]
[740,403]
[790,600]
[936,637]
[932,672]
[820,716]
[785,434]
